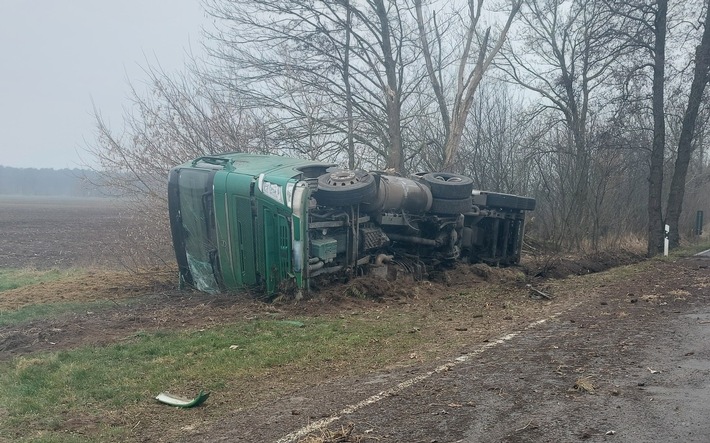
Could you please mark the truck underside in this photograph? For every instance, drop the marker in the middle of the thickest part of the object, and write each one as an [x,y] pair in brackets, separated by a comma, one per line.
[272,224]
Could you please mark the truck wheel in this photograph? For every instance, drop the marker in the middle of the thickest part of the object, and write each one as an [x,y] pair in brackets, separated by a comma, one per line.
[344,188]
[449,206]
[448,185]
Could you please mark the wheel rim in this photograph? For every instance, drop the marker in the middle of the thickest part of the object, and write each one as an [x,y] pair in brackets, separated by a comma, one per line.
[449,179]
[343,178]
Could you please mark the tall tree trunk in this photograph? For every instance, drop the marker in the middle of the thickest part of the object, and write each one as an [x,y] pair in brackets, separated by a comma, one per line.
[393,99]
[580,204]
[655,179]
[467,79]
[685,143]
[348,88]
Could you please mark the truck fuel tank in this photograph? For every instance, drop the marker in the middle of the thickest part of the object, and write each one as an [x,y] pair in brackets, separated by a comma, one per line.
[399,193]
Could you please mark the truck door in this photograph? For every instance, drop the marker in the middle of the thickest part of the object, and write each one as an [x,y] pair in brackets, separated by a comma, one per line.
[236,230]
[275,245]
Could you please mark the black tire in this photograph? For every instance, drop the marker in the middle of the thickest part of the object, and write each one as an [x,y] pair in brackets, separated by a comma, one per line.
[447,206]
[448,185]
[510,201]
[345,188]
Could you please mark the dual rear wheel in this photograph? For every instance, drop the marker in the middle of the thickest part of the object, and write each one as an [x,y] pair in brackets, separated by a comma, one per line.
[451,192]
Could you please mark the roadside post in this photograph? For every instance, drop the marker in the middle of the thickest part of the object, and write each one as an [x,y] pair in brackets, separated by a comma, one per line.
[666,232]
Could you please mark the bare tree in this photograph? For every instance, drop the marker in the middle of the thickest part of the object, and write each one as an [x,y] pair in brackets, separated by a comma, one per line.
[176,119]
[659,27]
[454,111]
[565,52]
[688,129]
[655,177]
[649,39]
[357,55]
[495,141]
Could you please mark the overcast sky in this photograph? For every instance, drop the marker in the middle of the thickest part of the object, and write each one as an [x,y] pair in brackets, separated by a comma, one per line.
[57,56]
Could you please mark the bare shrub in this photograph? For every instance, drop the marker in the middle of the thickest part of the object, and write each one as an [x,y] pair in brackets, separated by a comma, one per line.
[176,120]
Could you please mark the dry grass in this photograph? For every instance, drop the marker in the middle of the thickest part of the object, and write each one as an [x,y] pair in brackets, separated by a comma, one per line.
[343,435]
[87,286]
[585,384]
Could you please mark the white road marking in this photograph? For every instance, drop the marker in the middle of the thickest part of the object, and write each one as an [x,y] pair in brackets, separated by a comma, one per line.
[320,424]
[703,252]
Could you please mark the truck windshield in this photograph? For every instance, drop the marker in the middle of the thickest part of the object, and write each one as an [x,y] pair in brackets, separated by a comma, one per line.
[198,225]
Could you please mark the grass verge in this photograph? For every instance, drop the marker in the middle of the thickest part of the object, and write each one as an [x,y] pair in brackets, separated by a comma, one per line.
[106,386]
[17,278]
[50,310]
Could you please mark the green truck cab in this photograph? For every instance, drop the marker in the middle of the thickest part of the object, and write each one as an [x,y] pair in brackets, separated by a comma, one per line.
[271,224]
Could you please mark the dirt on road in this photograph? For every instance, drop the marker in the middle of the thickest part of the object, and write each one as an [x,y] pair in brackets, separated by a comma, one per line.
[626,359]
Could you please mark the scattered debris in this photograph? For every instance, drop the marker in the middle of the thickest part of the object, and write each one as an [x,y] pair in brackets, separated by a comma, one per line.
[527,426]
[560,369]
[610,432]
[653,371]
[182,402]
[536,293]
[344,435]
[584,384]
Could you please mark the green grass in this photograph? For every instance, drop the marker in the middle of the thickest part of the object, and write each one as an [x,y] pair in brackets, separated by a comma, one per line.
[50,310]
[33,312]
[16,278]
[690,249]
[39,390]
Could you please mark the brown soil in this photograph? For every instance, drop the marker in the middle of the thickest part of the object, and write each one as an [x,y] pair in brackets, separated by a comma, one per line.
[149,300]
[575,377]
[61,232]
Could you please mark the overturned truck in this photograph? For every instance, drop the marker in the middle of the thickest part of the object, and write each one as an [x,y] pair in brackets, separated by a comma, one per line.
[270,223]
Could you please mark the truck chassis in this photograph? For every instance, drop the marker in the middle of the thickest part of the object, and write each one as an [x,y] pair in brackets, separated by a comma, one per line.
[271,224]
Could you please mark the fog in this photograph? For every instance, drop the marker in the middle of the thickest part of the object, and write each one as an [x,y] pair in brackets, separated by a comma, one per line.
[62,57]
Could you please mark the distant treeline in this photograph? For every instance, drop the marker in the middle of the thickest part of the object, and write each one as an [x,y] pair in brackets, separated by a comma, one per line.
[60,182]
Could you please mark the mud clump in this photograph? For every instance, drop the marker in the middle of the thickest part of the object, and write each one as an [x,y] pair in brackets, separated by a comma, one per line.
[374,287]
[561,266]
